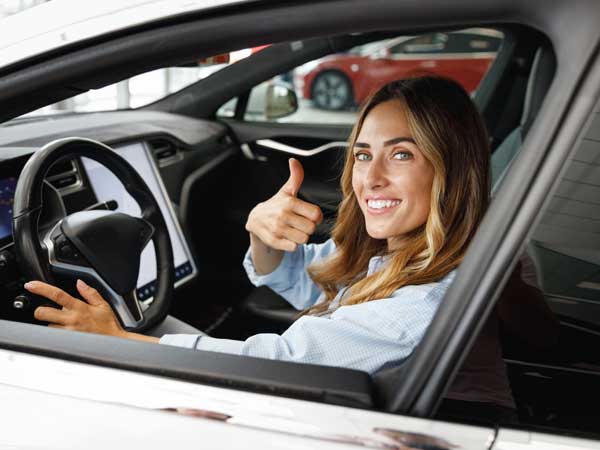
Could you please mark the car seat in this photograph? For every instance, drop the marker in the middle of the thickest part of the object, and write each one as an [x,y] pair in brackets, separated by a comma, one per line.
[540,77]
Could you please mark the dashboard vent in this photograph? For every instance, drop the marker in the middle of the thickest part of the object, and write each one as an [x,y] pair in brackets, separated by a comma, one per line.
[64,175]
[164,150]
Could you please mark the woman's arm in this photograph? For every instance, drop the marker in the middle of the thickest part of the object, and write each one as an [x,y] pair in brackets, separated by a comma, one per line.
[367,336]
[291,279]
[281,223]
[265,258]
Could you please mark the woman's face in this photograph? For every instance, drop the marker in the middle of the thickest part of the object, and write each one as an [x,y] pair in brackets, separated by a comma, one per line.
[391,178]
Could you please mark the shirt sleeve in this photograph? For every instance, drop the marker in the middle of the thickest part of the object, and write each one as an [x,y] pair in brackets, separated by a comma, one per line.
[368,337]
[290,279]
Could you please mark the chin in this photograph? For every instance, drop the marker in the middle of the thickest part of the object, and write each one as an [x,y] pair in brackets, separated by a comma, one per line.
[378,234]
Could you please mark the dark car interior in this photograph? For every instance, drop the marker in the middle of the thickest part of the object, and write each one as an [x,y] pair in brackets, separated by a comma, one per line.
[213,170]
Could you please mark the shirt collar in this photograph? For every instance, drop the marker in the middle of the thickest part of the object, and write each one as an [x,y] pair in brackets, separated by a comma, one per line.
[376,263]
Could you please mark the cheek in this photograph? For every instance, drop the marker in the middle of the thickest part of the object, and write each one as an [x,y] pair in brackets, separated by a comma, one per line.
[424,197]
[356,184]
[420,193]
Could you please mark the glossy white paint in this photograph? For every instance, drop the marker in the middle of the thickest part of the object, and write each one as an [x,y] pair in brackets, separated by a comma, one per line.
[525,440]
[63,22]
[49,403]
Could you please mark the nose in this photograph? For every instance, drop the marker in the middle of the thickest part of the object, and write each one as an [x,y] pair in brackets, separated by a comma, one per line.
[376,176]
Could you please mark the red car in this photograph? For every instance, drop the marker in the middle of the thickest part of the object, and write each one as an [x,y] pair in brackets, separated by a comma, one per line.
[345,80]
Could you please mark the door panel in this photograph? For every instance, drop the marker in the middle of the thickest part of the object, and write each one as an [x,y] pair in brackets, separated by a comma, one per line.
[320,149]
[266,149]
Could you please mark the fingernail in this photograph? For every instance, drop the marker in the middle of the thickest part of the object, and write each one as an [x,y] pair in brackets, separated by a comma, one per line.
[81,284]
[29,285]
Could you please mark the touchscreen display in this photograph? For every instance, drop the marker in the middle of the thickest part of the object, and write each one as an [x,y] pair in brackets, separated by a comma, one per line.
[108,187]
[7,195]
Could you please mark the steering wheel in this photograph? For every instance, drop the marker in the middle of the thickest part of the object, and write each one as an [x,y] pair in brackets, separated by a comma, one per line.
[101,247]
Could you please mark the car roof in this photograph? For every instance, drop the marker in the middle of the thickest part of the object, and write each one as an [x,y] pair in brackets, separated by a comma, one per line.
[30,33]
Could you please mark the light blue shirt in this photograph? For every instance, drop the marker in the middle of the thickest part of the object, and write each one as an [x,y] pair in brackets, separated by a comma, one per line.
[368,336]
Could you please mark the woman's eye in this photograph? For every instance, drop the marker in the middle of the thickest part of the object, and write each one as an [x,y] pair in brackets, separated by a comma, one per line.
[362,156]
[402,155]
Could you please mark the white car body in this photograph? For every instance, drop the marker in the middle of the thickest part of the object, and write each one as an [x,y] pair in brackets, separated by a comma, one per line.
[49,403]
[54,404]
[30,32]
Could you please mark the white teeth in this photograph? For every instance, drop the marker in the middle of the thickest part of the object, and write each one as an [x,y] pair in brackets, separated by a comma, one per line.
[380,204]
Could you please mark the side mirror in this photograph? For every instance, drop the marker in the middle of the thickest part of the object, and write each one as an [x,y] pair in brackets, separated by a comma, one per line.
[280,101]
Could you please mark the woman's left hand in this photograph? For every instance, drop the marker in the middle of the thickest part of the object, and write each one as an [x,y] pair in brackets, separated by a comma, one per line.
[95,316]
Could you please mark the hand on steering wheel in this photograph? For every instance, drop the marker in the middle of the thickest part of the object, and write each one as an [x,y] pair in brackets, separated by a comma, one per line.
[101,247]
[94,315]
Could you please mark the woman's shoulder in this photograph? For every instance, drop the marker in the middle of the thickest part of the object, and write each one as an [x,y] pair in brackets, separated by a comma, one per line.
[426,295]
[434,290]
[408,309]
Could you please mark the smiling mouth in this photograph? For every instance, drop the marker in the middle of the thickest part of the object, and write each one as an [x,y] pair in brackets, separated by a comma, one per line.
[382,205]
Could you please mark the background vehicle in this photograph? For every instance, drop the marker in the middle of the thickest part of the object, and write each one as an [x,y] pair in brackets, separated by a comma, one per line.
[539,100]
[344,80]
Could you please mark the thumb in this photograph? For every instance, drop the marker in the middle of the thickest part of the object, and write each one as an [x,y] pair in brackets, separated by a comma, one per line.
[91,295]
[292,185]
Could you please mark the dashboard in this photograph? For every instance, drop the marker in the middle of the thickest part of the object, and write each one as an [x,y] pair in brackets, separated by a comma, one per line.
[162,147]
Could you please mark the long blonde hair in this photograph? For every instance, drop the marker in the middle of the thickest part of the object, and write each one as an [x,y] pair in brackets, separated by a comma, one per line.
[450,133]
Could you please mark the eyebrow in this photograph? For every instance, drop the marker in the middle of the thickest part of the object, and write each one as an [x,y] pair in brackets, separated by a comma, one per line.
[393,141]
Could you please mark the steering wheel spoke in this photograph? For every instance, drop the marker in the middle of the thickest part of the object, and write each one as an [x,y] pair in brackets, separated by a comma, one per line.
[132,303]
[126,306]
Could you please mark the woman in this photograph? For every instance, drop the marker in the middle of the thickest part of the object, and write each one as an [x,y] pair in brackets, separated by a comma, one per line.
[415,187]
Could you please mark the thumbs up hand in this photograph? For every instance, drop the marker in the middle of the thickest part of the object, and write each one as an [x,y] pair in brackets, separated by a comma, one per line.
[292,185]
[284,221]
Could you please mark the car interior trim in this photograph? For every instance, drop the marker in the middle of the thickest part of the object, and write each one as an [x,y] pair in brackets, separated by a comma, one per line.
[552,367]
[196,175]
[274,145]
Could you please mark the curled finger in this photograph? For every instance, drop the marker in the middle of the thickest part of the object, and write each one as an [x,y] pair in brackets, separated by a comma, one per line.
[283,244]
[310,211]
[300,223]
[296,236]
[51,315]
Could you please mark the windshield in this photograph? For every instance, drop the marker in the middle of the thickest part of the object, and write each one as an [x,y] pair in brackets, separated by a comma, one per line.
[142,89]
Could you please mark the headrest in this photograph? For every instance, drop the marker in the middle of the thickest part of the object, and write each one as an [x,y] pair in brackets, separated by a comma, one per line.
[540,78]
